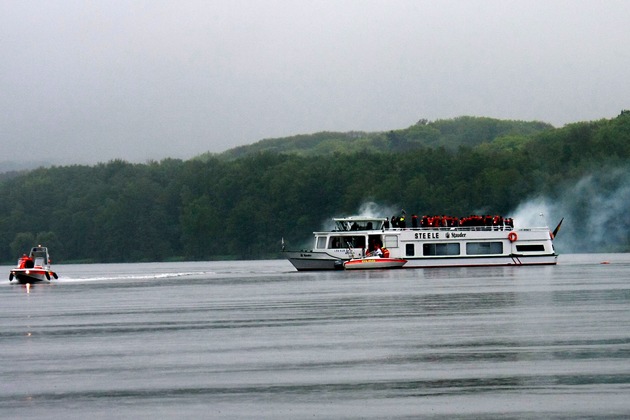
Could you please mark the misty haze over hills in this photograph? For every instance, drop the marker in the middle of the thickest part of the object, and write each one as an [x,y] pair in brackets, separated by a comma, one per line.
[449,133]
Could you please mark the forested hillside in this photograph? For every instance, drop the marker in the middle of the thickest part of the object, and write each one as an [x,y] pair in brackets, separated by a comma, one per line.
[450,134]
[242,207]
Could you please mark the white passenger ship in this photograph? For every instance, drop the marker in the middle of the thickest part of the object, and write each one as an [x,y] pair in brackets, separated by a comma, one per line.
[454,245]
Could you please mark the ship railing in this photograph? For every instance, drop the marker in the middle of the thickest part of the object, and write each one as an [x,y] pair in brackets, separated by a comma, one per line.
[456,228]
[470,229]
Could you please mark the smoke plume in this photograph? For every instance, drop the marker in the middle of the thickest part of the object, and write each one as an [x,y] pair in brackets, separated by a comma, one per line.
[595,211]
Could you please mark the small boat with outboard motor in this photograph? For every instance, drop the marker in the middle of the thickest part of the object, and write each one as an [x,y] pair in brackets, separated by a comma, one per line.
[371,263]
[34,267]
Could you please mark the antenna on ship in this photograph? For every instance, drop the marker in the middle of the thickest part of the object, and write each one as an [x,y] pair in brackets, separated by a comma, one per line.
[542,217]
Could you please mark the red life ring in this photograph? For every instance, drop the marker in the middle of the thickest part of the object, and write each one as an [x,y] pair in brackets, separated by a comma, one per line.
[512,236]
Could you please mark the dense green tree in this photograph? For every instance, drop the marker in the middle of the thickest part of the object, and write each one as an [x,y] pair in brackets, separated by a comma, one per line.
[241,207]
[22,243]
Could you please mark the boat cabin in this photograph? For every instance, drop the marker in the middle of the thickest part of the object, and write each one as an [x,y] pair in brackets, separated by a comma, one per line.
[351,235]
[359,223]
[39,256]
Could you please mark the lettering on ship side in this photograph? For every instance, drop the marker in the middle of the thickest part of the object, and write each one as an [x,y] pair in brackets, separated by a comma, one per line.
[427,235]
[436,235]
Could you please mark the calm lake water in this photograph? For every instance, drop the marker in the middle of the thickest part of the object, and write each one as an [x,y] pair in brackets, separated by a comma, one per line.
[257,339]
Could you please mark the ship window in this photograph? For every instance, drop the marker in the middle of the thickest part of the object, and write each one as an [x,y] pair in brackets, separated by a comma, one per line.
[410,250]
[530,248]
[391,241]
[440,249]
[356,242]
[336,242]
[342,242]
[484,248]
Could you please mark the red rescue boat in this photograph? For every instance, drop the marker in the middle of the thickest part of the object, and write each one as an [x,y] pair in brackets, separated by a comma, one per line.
[34,267]
[373,262]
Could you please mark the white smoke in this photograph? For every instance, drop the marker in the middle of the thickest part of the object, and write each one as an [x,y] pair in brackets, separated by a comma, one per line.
[371,209]
[595,211]
[367,209]
[533,213]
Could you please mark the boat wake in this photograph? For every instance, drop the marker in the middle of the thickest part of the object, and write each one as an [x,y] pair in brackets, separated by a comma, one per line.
[128,276]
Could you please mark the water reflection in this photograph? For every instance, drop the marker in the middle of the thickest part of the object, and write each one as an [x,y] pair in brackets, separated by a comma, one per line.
[241,341]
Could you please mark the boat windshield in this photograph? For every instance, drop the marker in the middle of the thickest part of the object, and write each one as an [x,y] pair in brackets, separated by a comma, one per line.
[39,252]
[350,224]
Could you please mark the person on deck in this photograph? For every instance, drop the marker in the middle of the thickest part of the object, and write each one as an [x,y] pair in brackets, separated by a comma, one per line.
[377,251]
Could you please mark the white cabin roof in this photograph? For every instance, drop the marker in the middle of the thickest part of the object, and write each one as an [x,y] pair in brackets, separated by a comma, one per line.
[359,219]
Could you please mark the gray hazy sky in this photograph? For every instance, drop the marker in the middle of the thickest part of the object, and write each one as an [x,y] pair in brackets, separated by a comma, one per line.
[88,81]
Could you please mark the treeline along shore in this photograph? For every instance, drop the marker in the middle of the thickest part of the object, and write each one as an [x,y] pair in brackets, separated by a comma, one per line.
[238,205]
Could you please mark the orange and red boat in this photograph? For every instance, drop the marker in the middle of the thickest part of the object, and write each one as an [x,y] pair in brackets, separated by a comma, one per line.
[34,267]
[373,262]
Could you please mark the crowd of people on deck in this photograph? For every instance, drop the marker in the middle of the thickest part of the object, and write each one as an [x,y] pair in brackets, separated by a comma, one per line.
[497,222]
